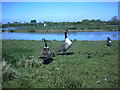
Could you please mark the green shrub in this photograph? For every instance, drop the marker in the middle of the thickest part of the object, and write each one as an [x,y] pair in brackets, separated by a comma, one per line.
[8,72]
[97,28]
[82,28]
[11,30]
[73,28]
[31,62]
[31,31]
[75,39]
[3,30]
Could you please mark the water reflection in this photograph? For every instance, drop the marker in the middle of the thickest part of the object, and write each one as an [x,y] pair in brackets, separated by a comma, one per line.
[91,36]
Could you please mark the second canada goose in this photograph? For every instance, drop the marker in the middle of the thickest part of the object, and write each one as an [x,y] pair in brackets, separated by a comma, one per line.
[46,53]
[109,41]
[66,45]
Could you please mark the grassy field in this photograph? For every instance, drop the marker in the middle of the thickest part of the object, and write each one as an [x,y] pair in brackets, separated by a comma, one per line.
[23,69]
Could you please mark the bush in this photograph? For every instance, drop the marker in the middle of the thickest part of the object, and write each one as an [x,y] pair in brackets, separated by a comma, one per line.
[10,58]
[97,28]
[8,72]
[31,62]
[11,30]
[90,28]
[73,28]
[31,30]
[54,39]
[75,39]
[82,28]
[3,30]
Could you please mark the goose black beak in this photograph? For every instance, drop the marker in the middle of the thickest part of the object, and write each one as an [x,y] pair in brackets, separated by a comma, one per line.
[43,39]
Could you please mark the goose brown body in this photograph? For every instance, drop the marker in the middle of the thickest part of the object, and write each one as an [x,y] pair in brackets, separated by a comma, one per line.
[46,52]
[66,45]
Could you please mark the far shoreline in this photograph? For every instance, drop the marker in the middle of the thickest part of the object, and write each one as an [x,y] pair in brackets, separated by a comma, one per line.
[42,31]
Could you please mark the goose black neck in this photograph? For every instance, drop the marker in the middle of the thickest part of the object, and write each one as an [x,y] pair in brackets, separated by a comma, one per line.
[65,34]
[109,38]
[45,43]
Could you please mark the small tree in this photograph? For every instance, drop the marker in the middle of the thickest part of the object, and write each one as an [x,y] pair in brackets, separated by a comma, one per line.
[33,22]
[85,22]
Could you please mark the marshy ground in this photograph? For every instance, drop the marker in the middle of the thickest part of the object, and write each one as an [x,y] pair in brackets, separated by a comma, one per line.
[87,64]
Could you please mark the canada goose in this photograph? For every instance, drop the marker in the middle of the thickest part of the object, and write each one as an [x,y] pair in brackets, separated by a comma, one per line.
[66,45]
[46,53]
[109,41]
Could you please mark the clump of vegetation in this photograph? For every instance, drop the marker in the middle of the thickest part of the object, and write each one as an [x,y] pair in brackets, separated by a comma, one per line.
[82,28]
[3,30]
[31,31]
[31,62]
[97,28]
[8,73]
[54,39]
[11,30]
[73,28]
[75,39]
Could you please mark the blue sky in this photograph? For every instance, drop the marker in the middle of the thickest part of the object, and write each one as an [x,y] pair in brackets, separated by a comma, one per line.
[57,11]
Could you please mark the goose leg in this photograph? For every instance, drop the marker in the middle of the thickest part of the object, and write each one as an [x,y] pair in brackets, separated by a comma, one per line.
[64,52]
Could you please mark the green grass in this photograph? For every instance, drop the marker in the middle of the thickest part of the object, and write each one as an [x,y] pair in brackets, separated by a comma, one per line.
[65,71]
[59,27]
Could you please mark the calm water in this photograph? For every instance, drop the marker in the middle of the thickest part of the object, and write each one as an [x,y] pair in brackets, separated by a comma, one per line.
[91,36]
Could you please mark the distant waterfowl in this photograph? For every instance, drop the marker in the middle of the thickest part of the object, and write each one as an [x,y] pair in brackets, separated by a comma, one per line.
[66,45]
[109,41]
[88,54]
[46,53]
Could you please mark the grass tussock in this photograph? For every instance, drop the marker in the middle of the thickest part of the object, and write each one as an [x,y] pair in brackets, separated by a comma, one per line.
[88,64]
[8,73]
[31,62]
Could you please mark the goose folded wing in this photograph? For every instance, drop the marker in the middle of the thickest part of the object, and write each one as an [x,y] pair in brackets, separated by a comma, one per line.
[46,52]
[63,47]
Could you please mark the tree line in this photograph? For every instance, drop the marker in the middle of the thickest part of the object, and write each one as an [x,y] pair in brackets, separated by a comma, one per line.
[113,21]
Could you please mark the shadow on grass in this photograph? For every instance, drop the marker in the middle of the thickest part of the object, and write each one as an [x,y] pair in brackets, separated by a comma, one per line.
[68,53]
[47,61]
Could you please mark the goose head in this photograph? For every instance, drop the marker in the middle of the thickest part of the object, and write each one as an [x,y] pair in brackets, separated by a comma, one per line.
[46,46]
[43,39]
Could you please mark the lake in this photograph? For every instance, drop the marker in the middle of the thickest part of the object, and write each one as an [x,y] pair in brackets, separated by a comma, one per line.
[90,36]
